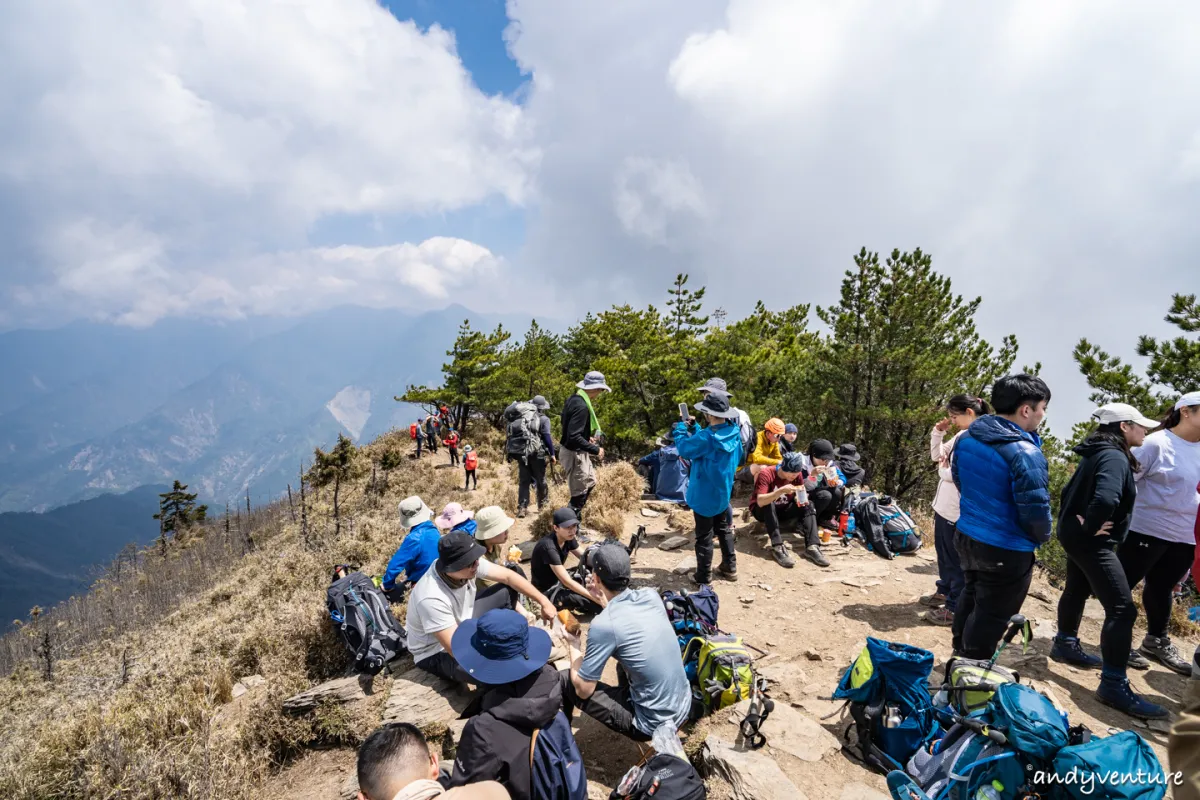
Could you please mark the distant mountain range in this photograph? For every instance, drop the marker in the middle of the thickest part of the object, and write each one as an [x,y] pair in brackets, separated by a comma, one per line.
[227,408]
[48,557]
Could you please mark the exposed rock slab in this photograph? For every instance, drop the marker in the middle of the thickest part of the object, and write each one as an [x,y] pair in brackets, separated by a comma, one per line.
[423,699]
[686,566]
[794,733]
[751,774]
[673,543]
[338,690]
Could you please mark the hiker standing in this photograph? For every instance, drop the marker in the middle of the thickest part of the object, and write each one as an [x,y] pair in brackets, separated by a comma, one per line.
[714,453]
[431,433]
[580,431]
[1003,481]
[417,432]
[532,466]
[451,442]
[961,411]
[470,465]
[745,431]
[1161,543]
[1093,520]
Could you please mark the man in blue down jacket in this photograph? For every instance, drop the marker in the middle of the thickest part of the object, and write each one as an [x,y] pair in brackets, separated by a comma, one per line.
[715,453]
[1004,481]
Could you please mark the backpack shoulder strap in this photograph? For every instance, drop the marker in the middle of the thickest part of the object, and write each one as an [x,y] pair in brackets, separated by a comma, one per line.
[533,745]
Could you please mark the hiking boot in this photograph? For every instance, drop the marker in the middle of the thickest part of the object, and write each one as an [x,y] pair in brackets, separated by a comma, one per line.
[1137,661]
[1068,650]
[933,600]
[782,557]
[521,512]
[696,579]
[728,573]
[1117,693]
[830,525]
[813,553]
[1163,651]
[940,616]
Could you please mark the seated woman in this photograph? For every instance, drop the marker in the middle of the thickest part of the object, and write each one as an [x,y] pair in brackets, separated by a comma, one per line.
[826,484]
[490,528]
[766,452]
[668,472]
[548,567]
[447,595]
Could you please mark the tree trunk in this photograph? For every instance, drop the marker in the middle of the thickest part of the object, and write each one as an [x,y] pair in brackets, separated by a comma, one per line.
[291,508]
[337,520]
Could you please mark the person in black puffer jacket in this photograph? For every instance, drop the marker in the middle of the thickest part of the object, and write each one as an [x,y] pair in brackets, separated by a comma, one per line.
[1094,515]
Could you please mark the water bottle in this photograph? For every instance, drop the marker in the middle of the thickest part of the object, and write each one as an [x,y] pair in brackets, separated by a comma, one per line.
[1194,613]
[893,719]
[990,792]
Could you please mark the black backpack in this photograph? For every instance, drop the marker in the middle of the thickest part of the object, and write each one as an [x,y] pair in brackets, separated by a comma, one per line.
[523,438]
[364,620]
[868,523]
[663,777]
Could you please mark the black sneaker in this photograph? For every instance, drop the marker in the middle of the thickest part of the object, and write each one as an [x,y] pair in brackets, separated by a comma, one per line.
[695,576]
[1163,651]
[521,512]
[728,573]
[782,557]
[1068,650]
[1137,661]
[1119,694]
[814,554]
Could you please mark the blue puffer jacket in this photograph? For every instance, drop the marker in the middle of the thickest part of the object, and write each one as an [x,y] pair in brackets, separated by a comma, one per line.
[715,454]
[670,474]
[1004,481]
[414,556]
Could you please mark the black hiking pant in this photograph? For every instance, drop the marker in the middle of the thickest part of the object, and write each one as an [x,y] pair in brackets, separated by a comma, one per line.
[530,474]
[471,478]
[996,581]
[431,440]
[774,514]
[1162,564]
[1098,571]
[706,528]
[950,573]
[454,456]
[611,706]
[826,502]
[420,443]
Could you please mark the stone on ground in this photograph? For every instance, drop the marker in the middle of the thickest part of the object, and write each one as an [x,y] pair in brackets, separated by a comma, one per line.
[422,699]
[338,690]
[750,774]
[686,566]
[794,733]
[649,512]
[246,684]
[673,543]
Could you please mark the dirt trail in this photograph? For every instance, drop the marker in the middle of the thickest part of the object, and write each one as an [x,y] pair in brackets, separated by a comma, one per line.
[812,622]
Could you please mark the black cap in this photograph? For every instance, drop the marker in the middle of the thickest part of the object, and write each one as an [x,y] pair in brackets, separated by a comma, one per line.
[458,550]
[822,449]
[565,517]
[611,565]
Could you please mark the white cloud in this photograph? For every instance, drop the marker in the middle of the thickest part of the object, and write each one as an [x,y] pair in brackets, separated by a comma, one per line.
[145,142]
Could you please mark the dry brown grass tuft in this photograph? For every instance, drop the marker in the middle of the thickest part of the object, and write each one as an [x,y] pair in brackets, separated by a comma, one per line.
[559,497]
[618,487]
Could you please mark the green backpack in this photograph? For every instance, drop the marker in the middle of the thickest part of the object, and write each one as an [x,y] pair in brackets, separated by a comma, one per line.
[724,675]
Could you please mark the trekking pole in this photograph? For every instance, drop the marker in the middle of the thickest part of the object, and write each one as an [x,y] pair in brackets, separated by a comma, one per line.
[1016,624]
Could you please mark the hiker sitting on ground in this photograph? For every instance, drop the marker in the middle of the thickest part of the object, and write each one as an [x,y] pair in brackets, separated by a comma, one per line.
[779,497]
[1093,521]
[447,595]
[548,565]
[825,484]
[491,531]
[714,453]
[847,461]
[521,693]
[766,452]
[633,628]
[1003,482]
[416,553]
[669,472]
[580,431]
[395,763]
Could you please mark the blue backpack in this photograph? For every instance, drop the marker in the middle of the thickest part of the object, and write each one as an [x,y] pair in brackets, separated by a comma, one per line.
[1080,770]
[555,764]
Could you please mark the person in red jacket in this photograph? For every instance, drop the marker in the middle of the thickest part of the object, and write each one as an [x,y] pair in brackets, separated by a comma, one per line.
[451,442]
[470,464]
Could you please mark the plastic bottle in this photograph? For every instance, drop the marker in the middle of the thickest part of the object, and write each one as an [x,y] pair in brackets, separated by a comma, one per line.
[843,521]
[990,792]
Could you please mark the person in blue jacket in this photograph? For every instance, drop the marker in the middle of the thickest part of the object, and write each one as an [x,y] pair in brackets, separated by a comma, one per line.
[1004,515]
[668,472]
[418,550]
[715,453]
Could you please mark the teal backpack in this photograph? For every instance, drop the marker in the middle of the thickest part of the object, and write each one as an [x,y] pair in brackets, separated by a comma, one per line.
[1082,771]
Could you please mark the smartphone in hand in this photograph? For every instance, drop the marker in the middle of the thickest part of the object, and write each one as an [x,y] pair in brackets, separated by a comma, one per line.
[683,412]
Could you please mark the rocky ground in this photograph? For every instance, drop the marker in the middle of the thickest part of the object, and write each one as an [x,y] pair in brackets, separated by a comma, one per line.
[811,622]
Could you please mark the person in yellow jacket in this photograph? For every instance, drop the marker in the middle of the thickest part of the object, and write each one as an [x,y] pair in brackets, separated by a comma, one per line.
[766,451]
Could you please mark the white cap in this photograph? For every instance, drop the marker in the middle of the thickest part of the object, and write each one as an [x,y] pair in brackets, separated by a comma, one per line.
[1189,399]
[1122,412]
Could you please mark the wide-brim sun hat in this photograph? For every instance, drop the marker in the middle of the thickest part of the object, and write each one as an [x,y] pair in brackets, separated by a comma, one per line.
[490,522]
[848,452]
[452,516]
[500,647]
[413,512]
[715,385]
[716,404]
[1122,412]
[593,380]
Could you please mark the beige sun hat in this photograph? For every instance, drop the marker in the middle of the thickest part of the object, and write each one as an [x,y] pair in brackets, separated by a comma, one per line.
[490,522]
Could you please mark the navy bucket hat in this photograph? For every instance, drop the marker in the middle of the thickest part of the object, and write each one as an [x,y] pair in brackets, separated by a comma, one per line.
[500,647]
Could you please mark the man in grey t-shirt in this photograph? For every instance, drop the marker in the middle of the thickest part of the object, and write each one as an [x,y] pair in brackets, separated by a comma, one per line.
[633,628]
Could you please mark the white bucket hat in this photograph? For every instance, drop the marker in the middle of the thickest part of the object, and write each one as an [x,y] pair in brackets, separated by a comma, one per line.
[413,512]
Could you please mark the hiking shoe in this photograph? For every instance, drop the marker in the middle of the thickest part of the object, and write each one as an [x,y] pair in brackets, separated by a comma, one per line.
[728,573]
[697,580]
[1164,652]
[940,616]
[933,600]
[782,557]
[746,514]
[521,512]
[813,553]
[1117,693]
[1068,650]
[830,525]
[1137,661]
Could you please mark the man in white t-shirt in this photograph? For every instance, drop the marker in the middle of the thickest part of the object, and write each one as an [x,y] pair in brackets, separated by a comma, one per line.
[446,596]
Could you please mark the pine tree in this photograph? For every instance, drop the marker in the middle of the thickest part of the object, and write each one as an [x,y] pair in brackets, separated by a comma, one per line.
[474,359]
[177,511]
[342,464]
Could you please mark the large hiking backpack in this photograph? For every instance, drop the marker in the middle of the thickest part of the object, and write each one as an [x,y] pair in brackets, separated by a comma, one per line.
[724,671]
[522,438]
[663,777]
[1080,770]
[888,679]
[869,523]
[555,764]
[971,683]
[365,622]
[899,530]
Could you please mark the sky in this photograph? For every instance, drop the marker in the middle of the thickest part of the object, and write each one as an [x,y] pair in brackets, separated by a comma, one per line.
[230,158]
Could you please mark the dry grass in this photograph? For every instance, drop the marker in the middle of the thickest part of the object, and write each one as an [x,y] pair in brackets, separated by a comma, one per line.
[618,491]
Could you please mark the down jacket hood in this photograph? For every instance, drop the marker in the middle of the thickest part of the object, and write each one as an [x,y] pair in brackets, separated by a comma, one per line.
[527,704]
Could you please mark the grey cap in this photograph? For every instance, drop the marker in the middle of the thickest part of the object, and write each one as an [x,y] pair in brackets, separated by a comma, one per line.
[611,564]
[716,404]
[593,380]
[715,385]
[540,403]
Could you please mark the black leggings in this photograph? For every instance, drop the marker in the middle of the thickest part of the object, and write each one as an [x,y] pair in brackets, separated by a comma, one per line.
[1098,571]
[471,477]
[1163,564]
[772,514]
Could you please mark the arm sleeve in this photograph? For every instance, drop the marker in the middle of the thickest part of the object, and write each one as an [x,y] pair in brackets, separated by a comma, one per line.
[651,458]
[954,470]
[401,561]
[1031,491]
[691,446]
[1110,480]
[477,760]
[762,485]
[936,438]
[600,646]
[547,439]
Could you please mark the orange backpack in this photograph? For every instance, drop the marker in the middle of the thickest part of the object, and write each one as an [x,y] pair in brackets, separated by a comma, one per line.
[412,430]
[471,460]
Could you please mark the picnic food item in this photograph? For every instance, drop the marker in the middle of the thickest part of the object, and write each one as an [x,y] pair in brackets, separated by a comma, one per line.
[569,622]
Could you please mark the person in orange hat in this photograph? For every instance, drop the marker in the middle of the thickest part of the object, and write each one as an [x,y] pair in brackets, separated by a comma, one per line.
[766,452]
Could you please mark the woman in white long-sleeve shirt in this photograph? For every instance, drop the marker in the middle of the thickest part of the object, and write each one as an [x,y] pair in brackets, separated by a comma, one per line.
[961,411]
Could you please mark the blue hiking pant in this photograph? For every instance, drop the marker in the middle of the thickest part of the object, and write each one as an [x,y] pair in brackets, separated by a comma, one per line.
[950,573]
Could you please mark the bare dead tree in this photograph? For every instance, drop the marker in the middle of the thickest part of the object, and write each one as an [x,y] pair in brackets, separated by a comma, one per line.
[291,508]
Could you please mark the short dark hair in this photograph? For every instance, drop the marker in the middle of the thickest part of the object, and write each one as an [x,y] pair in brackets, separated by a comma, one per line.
[1013,391]
[392,757]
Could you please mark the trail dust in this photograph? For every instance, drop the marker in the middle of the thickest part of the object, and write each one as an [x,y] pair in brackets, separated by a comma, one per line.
[811,622]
